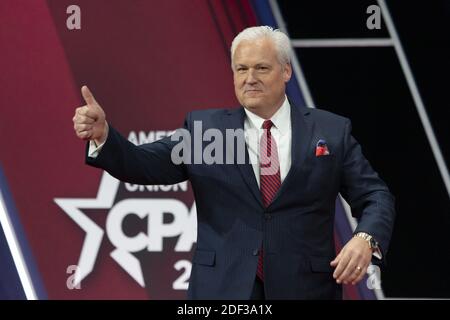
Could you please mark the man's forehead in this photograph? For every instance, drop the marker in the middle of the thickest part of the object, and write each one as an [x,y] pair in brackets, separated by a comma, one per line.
[261,50]
[255,44]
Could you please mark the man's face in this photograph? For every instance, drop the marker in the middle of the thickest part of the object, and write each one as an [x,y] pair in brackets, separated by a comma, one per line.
[259,78]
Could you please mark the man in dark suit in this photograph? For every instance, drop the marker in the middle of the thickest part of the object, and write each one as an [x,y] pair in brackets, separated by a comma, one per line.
[265,211]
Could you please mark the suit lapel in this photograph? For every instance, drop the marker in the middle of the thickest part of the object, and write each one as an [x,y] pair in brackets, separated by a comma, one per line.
[302,129]
[235,120]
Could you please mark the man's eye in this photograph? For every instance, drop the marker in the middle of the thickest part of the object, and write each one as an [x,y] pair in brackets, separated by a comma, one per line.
[262,68]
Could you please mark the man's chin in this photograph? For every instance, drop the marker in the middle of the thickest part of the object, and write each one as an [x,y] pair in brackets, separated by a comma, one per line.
[252,103]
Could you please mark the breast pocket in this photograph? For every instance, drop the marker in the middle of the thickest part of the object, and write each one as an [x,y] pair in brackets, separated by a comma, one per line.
[324,159]
[323,166]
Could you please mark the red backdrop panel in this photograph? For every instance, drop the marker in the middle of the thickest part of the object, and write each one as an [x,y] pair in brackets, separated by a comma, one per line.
[148,63]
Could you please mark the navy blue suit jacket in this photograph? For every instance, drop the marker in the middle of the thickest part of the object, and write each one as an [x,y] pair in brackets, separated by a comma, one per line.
[296,230]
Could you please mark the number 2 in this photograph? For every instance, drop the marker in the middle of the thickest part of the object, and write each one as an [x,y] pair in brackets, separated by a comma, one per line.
[181,283]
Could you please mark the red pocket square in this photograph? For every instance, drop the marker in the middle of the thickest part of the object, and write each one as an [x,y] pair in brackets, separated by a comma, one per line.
[322,148]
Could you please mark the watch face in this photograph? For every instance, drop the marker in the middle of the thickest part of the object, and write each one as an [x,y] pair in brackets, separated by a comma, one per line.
[373,243]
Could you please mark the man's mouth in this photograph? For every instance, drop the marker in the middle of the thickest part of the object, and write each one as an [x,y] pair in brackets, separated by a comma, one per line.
[251,91]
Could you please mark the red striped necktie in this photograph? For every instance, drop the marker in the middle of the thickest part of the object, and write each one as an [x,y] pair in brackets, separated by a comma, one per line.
[270,180]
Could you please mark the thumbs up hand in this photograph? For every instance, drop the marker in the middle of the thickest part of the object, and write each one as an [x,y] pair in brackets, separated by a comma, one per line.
[89,120]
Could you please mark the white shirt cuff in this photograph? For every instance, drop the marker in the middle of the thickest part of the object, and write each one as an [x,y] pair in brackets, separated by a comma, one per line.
[377,254]
[94,150]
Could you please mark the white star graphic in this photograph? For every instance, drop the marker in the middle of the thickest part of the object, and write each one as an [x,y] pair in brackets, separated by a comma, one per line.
[94,234]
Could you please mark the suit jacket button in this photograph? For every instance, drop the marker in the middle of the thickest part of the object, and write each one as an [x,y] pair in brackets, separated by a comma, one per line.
[267,216]
[255,252]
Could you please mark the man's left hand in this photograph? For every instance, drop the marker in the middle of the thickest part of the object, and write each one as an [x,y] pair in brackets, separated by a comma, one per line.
[352,262]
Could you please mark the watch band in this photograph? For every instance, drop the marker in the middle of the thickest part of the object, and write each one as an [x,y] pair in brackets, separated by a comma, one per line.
[367,237]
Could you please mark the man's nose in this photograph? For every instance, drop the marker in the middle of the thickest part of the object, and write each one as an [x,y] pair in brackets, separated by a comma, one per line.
[251,78]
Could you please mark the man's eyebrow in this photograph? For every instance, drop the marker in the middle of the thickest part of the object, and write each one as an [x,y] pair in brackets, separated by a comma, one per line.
[265,64]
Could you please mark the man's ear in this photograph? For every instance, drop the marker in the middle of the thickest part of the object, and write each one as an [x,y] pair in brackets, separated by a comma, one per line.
[287,72]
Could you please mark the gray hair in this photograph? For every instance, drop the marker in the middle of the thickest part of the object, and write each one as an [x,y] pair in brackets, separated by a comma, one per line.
[279,39]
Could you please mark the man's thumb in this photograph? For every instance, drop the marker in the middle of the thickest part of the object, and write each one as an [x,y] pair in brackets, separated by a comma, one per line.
[88,96]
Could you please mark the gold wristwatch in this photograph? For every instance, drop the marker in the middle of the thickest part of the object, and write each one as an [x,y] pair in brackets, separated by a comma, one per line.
[370,240]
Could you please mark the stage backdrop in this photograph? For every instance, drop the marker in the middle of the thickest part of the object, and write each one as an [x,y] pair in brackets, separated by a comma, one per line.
[71,231]
[147,65]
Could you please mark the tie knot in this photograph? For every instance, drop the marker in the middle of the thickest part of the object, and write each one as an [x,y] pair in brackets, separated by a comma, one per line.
[267,124]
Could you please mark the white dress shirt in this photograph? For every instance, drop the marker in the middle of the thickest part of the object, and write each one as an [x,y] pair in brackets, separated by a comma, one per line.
[281,132]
